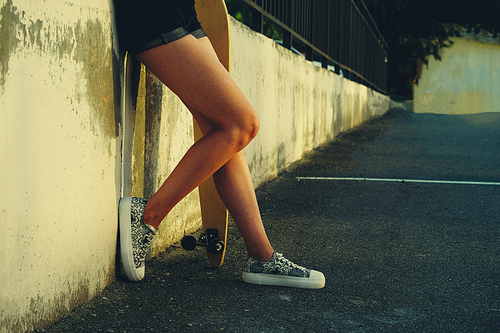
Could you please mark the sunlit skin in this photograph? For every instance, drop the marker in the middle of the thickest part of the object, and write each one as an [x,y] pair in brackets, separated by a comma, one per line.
[190,68]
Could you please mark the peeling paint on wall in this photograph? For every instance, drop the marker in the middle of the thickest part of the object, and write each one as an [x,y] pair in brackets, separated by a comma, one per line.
[58,93]
[92,42]
[88,43]
[9,21]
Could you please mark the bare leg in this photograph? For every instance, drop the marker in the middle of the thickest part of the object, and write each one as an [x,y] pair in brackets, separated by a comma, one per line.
[190,69]
[235,186]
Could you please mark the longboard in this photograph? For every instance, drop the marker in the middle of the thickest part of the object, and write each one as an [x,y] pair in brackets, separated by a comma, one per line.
[214,19]
[128,114]
[128,120]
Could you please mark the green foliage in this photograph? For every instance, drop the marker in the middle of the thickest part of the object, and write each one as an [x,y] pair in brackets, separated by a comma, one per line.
[419,29]
[239,12]
[244,15]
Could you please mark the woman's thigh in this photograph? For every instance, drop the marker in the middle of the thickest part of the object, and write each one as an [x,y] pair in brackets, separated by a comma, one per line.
[191,69]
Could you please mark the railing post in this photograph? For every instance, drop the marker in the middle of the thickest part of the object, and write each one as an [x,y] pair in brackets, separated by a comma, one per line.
[328,27]
[309,53]
[287,39]
[324,62]
[287,34]
[257,20]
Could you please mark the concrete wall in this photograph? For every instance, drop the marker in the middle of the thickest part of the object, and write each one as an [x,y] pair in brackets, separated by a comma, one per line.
[60,148]
[61,144]
[467,80]
[300,105]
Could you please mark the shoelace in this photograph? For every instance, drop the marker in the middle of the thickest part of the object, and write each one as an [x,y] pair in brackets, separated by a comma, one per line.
[283,260]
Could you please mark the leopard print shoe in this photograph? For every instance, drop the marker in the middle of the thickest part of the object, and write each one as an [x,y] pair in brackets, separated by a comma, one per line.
[135,237]
[280,271]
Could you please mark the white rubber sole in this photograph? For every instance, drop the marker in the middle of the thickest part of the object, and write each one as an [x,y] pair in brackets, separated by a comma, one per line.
[126,251]
[315,281]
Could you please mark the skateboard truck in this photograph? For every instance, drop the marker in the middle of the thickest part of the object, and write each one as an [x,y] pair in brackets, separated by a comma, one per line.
[209,239]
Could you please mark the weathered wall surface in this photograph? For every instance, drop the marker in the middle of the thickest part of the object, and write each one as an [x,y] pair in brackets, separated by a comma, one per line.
[60,153]
[61,145]
[467,80]
[61,148]
[300,105]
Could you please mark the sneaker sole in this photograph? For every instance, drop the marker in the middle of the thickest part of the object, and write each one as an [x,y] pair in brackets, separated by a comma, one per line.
[315,281]
[131,272]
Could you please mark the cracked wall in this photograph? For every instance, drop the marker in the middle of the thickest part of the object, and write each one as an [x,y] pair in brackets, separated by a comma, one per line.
[60,149]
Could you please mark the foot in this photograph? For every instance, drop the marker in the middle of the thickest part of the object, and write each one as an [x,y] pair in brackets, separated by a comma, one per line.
[280,271]
[135,237]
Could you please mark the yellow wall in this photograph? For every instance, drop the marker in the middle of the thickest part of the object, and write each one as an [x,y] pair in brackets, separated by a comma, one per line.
[300,105]
[61,139]
[467,80]
[59,142]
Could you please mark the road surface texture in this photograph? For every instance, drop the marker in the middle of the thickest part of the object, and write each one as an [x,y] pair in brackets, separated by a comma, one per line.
[401,214]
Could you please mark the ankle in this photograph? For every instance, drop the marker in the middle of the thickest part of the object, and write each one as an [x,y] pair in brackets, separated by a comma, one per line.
[150,217]
[261,256]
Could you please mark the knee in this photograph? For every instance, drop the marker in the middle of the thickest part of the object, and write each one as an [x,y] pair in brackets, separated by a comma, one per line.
[253,128]
[247,130]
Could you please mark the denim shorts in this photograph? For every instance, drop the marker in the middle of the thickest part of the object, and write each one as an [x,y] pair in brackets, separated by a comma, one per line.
[146,24]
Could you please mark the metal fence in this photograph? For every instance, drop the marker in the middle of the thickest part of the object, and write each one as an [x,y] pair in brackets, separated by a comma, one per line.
[338,34]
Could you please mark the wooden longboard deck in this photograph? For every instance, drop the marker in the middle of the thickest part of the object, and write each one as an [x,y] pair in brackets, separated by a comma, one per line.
[214,19]
[128,114]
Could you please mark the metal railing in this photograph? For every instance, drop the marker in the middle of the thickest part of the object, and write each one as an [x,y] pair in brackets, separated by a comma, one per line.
[339,34]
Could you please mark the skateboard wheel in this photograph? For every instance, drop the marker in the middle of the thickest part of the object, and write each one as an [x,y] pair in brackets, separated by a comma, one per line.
[188,243]
[215,246]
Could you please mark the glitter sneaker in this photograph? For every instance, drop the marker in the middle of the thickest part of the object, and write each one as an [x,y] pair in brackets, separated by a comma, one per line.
[280,271]
[135,237]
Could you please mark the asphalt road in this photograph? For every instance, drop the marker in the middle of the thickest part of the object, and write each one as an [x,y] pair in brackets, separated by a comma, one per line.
[398,256]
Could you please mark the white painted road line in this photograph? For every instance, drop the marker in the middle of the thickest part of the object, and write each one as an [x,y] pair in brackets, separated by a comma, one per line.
[400,180]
